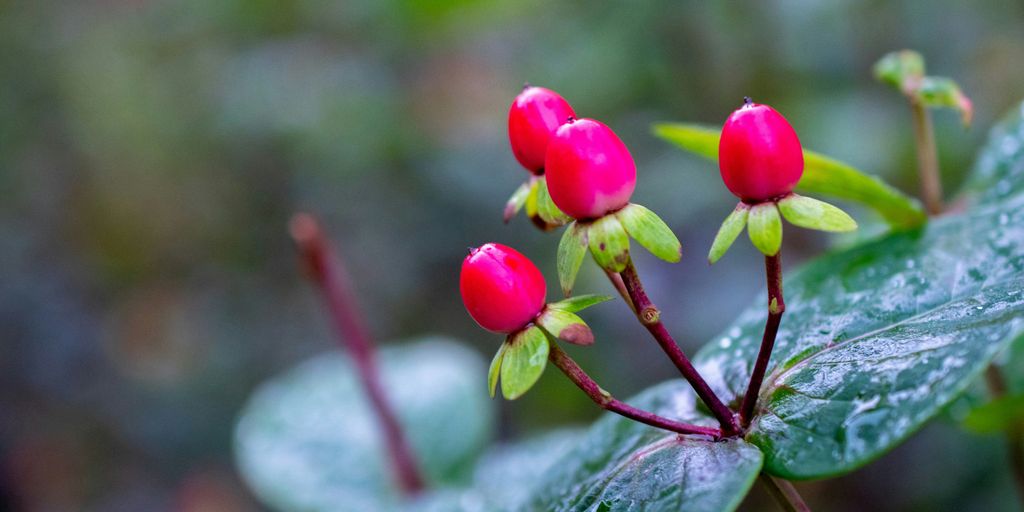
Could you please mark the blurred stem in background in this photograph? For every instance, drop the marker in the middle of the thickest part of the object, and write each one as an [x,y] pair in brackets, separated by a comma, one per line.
[784,492]
[927,157]
[328,273]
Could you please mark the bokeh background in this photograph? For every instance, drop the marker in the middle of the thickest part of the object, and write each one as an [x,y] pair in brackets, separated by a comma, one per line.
[152,151]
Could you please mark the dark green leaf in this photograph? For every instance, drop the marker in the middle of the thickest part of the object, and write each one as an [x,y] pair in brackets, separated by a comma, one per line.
[999,171]
[822,175]
[526,355]
[579,303]
[651,232]
[571,250]
[765,228]
[308,441]
[810,213]
[731,228]
[609,243]
[619,464]
[877,339]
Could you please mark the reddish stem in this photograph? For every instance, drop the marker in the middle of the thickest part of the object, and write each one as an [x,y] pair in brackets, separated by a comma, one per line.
[649,316]
[602,398]
[776,307]
[327,271]
[620,287]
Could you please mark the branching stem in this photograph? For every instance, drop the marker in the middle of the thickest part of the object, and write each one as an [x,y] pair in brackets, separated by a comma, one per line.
[776,307]
[328,273]
[649,316]
[559,358]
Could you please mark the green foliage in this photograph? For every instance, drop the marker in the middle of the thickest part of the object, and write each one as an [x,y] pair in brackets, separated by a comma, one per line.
[822,175]
[546,208]
[308,440]
[999,415]
[579,302]
[901,69]
[810,213]
[571,250]
[764,225]
[730,230]
[526,355]
[566,326]
[609,243]
[651,232]
[619,464]
[904,70]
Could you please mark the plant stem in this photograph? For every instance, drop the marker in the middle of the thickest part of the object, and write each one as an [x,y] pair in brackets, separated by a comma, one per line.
[328,273]
[784,493]
[1014,434]
[620,287]
[604,399]
[776,307]
[927,158]
[649,316]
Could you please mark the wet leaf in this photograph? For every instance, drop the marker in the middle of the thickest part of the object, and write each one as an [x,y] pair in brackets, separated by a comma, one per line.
[822,175]
[308,441]
[619,464]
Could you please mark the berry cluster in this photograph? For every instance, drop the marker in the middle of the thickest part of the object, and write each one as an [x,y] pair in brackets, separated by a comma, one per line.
[583,175]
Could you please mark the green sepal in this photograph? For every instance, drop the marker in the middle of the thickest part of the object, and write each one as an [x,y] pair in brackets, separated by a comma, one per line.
[546,208]
[651,232]
[811,213]
[579,303]
[731,228]
[571,250]
[531,197]
[526,355]
[495,369]
[609,243]
[937,91]
[764,225]
[518,199]
[903,70]
[566,326]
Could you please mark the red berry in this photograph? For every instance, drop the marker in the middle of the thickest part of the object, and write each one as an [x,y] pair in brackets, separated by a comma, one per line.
[589,170]
[502,289]
[759,154]
[532,120]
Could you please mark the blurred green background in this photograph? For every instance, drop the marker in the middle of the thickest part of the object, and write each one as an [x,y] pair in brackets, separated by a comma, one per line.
[152,151]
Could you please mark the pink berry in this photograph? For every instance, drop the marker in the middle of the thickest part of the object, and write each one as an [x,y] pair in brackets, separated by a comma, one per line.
[502,289]
[589,170]
[532,120]
[759,154]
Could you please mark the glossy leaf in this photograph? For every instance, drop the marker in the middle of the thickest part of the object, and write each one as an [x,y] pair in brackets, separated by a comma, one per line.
[525,357]
[998,173]
[619,464]
[765,228]
[651,232]
[810,213]
[730,230]
[579,303]
[566,326]
[877,339]
[308,440]
[609,243]
[571,250]
[822,176]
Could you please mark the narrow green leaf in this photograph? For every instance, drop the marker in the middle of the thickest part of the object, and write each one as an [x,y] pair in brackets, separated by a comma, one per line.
[730,230]
[999,415]
[523,362]
[822,175]
[566,326]
[571,250]
[516,202]
[651,232]
[494,370]
[765,228]
[579,303]
[609,243]
[813,214]
[546,208]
